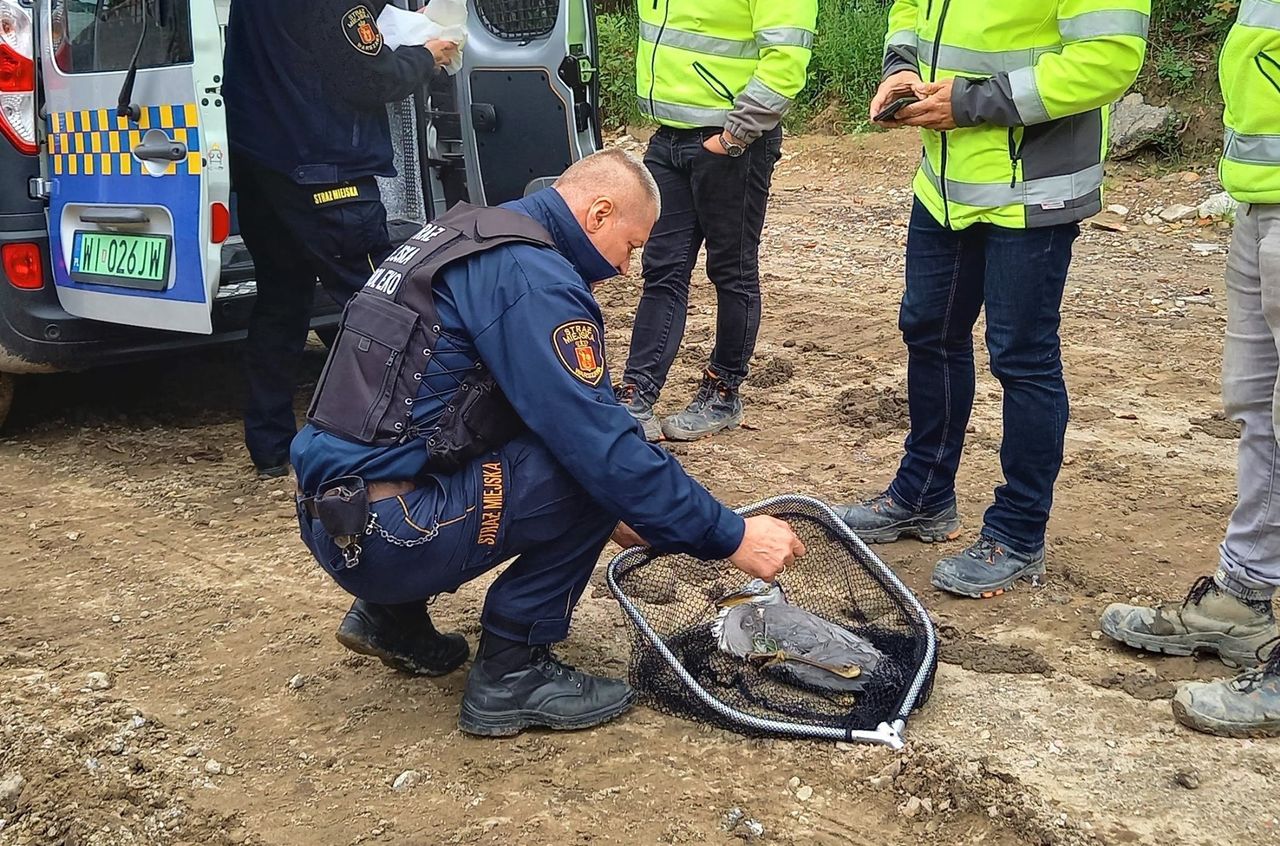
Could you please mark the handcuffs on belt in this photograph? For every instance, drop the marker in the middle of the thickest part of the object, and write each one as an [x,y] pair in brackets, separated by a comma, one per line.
[342,506]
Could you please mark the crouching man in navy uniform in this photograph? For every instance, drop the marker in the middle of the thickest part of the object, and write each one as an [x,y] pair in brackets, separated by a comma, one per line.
[465,417]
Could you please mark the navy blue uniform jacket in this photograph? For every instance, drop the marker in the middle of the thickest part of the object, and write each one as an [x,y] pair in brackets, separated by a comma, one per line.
[307,83]
[529,314]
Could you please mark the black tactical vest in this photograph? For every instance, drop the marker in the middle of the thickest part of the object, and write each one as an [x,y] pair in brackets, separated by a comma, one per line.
[389,332]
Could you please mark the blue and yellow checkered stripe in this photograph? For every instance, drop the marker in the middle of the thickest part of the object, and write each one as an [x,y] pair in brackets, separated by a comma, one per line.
[96,142]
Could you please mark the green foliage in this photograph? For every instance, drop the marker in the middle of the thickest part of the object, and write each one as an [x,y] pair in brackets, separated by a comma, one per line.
[1183,22]
[1175,69]
[618,33]
[847,57]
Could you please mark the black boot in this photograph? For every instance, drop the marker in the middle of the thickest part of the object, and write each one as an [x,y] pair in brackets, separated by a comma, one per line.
[513,687]
[403,637]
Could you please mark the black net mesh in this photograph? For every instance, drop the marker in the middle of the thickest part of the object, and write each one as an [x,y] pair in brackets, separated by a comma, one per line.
[670,600]
[518,20]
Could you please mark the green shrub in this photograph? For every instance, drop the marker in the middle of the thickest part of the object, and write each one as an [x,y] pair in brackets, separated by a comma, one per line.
[1175,69]
[618,33]
[847,57]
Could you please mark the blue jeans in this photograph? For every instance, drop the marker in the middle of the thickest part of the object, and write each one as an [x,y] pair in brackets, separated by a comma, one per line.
[711,199]
[1018,274]
[514,502]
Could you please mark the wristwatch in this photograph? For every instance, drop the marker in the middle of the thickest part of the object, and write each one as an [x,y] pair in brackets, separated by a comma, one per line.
[730,149]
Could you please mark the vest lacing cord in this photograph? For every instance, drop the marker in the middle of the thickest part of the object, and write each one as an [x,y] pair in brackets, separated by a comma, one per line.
[423,429]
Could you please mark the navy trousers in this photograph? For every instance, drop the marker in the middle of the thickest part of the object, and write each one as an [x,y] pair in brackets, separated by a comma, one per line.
[514,502]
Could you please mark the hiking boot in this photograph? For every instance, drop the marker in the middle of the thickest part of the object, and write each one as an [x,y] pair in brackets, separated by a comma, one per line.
[716,407]
[1246,706]
[986,569]
[1208,620]
[641,410]
[273,471]
[505,696]
[403,638]
[883,520]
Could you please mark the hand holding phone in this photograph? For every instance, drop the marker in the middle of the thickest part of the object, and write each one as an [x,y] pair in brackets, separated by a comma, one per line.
[887,113]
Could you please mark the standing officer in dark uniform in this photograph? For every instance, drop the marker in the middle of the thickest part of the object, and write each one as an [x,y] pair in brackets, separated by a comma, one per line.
[307,83]
[481,304]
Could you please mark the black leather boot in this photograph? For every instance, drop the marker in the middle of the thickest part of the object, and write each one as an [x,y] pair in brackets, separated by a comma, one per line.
[520,687]
[403,637]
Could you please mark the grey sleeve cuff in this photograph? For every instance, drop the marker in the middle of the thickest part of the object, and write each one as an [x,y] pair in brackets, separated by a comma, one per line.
[898,58]
[984,101]
[757,110]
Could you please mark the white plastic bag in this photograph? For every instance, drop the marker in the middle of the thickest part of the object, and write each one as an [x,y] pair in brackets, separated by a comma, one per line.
[444,19]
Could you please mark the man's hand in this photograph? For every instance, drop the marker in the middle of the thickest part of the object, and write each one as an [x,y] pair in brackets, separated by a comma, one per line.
[934,109]
[442,51]
[626,537]
[898,85]
[713,145]
[768,547]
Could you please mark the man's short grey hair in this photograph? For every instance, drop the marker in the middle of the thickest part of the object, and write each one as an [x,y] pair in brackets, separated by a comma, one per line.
[606,168]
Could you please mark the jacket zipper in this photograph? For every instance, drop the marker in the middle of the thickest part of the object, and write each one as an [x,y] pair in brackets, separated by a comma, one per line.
[1015,156]
[384,392]
[1259,59]
[933,77]
[653,58]
[713,82]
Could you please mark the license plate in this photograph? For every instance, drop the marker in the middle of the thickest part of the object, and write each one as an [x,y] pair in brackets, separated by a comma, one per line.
[123,260]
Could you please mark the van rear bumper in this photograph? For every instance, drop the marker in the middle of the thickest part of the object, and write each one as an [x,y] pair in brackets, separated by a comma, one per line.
[38,336]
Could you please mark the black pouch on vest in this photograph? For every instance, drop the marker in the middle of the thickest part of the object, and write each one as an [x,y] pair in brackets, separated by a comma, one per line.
[478,418]
[368,360]
[342,505]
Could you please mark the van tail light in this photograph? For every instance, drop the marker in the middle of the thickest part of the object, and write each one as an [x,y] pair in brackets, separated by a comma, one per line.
[221,222]
[17,77]
[22,265]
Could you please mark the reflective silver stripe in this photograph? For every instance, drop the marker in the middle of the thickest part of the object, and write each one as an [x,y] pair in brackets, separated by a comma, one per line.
[1261,13]
[699,43]
[1033,192]
[1103,23]
[1251,149]
[902,38]
[981,62]
[766,96]
[1026,97]
[785,36]
[692,115]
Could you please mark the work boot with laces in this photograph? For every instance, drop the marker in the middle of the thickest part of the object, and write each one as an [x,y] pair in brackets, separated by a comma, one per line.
[640,409]
[1208,620]
[986,569]
[1246,706]
[516,687]
[403,638]
[882,519]
[716,407]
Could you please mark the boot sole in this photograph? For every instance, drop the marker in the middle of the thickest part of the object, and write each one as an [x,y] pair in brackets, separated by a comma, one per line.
[892,534]
[394,661]
[972,591]
[1200,722]
[685,436]
[509,723]
[1204,644]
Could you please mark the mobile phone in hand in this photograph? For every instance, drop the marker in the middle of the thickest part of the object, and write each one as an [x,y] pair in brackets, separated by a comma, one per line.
[893,108]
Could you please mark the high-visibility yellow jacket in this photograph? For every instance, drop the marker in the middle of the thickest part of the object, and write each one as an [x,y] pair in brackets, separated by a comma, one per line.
[1249,71]
[737,64]
[1034,81]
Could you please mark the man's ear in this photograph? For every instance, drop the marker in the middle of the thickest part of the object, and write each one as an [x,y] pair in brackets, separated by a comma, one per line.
[602,209]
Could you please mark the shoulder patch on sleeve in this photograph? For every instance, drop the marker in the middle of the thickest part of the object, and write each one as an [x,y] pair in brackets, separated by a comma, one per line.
[579,348]
[361,29]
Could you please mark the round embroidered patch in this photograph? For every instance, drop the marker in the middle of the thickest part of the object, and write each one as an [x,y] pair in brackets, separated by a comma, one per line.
[577,344]
[361,29]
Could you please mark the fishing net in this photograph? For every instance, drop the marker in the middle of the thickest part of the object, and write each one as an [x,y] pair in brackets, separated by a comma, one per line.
[676,665]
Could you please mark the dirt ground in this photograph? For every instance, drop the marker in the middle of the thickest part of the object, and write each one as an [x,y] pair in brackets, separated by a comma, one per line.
[141,547]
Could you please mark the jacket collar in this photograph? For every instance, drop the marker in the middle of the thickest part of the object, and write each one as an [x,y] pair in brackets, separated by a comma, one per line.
[548,208]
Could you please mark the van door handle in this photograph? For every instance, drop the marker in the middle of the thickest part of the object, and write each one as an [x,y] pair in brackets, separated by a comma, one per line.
[160,151]
[114,216]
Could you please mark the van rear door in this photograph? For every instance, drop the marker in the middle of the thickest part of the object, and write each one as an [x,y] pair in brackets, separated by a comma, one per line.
[137,176]
[528,76]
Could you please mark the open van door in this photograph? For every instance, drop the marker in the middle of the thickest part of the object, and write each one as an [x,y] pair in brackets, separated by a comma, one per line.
[134,158]
[529,82]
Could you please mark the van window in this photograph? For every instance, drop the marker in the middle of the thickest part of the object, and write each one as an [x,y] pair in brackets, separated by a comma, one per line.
[93,36]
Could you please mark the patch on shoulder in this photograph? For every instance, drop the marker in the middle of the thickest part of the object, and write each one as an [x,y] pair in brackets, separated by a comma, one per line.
[579,348]
[361,29]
